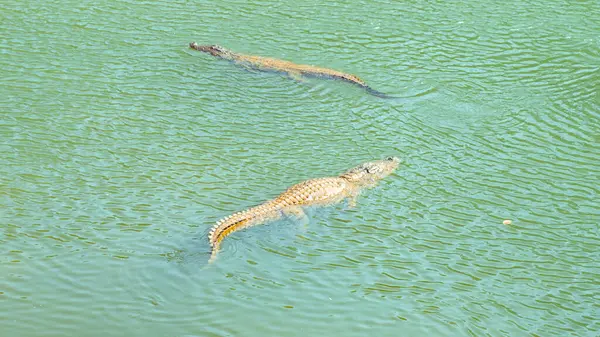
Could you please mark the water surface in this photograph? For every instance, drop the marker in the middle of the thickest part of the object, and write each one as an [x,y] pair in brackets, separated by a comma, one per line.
[121,147]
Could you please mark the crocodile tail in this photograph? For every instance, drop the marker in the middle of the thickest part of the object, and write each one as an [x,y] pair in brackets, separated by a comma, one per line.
[220,231]
[377,93]
[356,80]
[225,227]
[235,222]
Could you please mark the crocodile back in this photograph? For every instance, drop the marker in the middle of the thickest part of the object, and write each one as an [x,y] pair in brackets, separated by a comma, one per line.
[273,64]
[319,191]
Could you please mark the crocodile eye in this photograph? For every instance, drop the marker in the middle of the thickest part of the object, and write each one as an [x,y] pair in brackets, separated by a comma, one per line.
[389,158]
[367,169]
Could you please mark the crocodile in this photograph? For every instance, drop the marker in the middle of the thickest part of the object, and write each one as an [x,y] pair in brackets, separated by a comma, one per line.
[312,192]
[293,70]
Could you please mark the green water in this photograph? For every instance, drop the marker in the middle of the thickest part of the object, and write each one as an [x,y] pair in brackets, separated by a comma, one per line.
[121,147]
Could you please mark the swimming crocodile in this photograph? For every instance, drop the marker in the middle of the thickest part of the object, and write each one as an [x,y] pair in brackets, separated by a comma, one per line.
[293,70]
[313,192]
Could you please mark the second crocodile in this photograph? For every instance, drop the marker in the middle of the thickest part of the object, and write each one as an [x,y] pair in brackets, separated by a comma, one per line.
[293,70]
[313,192]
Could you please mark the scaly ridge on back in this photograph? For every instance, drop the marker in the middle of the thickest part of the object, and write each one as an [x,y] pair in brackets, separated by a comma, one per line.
[318,191]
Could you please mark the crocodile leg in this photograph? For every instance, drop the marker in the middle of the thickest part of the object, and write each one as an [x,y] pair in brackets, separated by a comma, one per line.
[249,67]
[298,214]
[296,76]
[352,199]
[295,211]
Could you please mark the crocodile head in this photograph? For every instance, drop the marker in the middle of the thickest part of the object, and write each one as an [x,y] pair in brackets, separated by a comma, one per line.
[369,173]
[214,50]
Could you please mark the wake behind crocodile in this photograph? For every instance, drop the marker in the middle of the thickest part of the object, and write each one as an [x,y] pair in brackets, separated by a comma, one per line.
[313,192]
[293,70]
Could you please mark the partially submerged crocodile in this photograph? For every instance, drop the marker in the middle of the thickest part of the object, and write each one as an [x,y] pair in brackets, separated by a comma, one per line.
[293,70]
[313,192]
